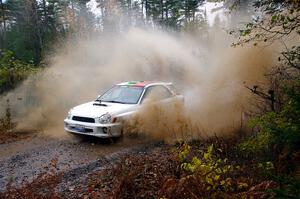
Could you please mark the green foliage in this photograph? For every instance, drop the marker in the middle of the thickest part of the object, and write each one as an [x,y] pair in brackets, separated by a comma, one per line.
[13,71]
[267,166]
[32,28]
[183,152]
[280,18]
[277,133]
[289,187]
[278,129]
[214,172]
[292,57]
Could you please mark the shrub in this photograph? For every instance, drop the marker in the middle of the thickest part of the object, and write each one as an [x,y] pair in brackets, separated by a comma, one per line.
[278,132]
[13,71]
[205,175]
[6,123]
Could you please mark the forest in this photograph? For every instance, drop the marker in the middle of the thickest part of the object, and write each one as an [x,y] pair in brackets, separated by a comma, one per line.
[259,158]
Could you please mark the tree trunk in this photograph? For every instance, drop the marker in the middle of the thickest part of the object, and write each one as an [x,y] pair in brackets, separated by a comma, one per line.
[73,25]
[37,35]
[167,11]
[186,13]
[162,9]
[45,13]
[142,15]
[146,11]
[4,25]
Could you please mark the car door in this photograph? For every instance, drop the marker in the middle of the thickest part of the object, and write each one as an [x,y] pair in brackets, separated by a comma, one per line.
[158,93]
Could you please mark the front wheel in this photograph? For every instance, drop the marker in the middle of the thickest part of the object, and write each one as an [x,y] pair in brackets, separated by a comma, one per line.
[119,138]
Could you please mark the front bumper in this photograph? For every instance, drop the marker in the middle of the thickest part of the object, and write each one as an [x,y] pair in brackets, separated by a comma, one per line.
[93,129]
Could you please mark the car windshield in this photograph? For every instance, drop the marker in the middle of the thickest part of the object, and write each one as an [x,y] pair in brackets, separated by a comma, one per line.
[122,94]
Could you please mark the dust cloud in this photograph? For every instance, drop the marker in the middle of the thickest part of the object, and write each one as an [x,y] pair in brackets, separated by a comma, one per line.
[204,68]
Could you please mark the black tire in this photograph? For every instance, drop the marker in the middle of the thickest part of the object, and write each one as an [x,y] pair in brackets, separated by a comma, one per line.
[120,138]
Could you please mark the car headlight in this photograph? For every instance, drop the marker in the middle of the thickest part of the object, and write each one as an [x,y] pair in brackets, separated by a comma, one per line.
[69,116]
[105,119]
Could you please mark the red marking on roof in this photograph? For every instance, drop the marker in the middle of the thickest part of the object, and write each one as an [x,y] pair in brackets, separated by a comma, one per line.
[143,83]
[136,83]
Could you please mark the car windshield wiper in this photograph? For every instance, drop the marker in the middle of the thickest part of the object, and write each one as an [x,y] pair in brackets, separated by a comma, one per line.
[113,101]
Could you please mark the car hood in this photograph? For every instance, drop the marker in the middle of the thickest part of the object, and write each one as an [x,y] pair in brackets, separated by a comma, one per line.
[91,110]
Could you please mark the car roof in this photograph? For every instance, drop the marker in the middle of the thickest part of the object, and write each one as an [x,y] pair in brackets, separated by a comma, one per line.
[143,83]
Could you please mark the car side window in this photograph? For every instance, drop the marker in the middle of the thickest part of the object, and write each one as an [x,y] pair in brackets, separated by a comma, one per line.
[157,93]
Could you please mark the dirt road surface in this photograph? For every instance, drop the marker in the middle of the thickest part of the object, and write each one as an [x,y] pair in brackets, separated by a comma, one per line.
[25,159]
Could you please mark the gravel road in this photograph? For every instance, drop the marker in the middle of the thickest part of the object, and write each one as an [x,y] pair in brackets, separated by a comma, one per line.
[22,160]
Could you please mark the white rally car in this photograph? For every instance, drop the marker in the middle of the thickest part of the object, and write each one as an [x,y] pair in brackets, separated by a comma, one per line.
[102,117]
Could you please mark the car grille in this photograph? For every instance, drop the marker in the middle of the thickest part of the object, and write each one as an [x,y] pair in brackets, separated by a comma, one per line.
[83,119]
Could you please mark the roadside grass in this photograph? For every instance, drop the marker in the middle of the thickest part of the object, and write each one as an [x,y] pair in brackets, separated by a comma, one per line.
[200,169]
